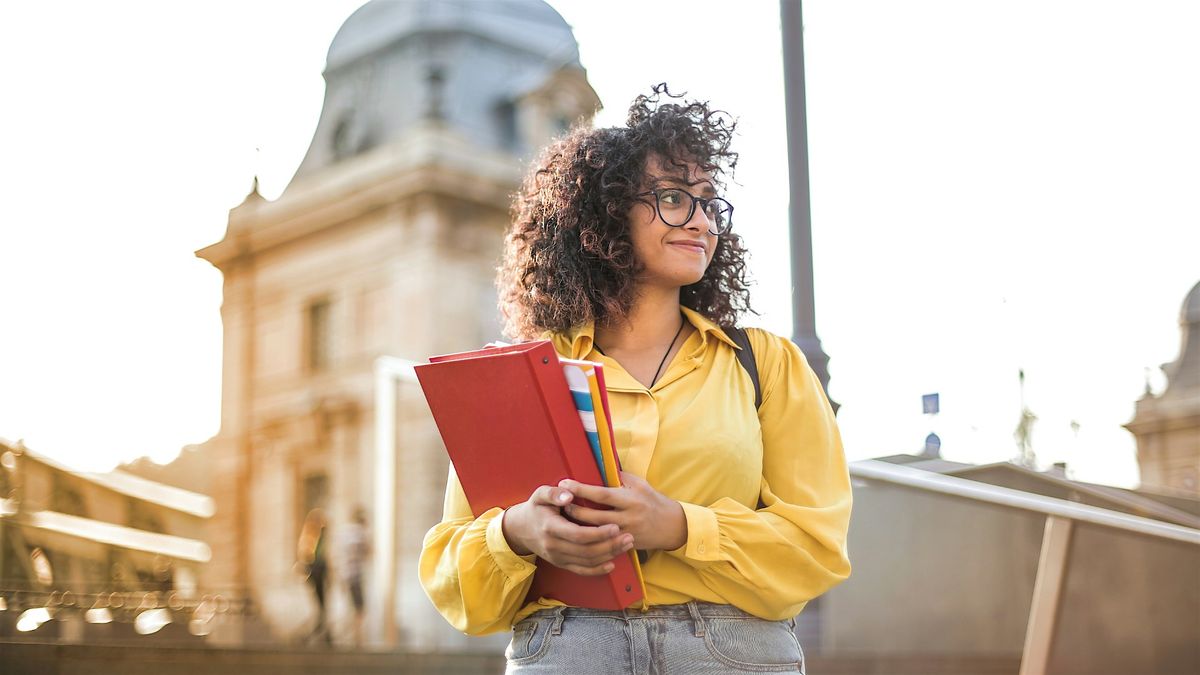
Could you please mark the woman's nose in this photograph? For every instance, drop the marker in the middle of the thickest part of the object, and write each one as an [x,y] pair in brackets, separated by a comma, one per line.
[699,220]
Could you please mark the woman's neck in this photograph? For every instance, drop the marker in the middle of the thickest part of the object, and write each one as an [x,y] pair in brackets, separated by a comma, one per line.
[653,320]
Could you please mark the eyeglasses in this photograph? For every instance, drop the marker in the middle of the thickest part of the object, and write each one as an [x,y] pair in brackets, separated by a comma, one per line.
[675,207]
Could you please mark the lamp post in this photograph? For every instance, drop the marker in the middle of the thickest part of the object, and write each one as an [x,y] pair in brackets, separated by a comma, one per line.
[804,323]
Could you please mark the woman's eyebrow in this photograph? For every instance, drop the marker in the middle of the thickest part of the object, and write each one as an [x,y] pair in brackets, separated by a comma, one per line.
[707,191]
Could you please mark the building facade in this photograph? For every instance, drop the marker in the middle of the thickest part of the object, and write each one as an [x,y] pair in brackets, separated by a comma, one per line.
[384,244]
[1167,426]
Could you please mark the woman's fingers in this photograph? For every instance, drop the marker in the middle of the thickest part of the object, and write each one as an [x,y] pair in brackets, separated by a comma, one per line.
[595,493]
[564,530]
[592,555]
[593,516]
[655,520]
[584,549]
[589,571]
[582,544]
[524,524]
[551,496]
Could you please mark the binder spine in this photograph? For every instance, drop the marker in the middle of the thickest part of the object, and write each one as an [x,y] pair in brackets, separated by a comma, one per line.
[568,431]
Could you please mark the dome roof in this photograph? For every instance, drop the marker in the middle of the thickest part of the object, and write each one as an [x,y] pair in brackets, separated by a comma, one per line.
[531,25]
[1191,306]
[466,65]
[1184,373]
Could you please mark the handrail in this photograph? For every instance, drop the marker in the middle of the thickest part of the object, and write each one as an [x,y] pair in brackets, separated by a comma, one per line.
[994,494]
[1139,503]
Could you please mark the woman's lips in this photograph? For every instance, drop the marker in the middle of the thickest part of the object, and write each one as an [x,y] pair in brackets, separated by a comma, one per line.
[694,247]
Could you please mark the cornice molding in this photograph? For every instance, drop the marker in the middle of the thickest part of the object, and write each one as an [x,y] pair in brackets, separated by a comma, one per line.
[430,160]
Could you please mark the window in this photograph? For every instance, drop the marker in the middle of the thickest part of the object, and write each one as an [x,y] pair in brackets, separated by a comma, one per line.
[65,498]
[317,336]
[506,120]
[141,516]
[314,493]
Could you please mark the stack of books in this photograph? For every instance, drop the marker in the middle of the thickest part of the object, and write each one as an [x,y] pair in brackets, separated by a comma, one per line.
[516,417]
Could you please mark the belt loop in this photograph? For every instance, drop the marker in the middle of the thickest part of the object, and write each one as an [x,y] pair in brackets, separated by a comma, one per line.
[694,610]
[556,625]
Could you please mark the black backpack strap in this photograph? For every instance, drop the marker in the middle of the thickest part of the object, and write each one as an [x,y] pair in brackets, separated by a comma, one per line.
[745,356]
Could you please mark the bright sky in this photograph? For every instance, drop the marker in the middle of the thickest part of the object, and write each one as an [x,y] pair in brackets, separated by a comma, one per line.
[996,185]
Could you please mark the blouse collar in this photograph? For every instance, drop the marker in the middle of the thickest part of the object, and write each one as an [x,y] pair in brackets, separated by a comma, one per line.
[578,342]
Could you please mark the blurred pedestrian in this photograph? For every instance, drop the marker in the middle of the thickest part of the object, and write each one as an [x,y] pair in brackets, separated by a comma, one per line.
[312,554]
[355,546]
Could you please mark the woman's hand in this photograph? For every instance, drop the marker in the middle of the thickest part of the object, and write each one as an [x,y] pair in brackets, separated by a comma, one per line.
[537,526]
[656,521]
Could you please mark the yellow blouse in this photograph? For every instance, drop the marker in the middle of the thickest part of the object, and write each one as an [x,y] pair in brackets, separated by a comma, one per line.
[695,437]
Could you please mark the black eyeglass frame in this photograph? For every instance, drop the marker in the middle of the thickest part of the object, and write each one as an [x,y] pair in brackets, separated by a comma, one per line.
[692,209]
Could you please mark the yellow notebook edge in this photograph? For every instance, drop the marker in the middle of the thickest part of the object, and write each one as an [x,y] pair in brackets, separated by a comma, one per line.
[608,451]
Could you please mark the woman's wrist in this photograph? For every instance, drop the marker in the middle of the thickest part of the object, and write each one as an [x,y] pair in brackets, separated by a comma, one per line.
[678,528]
[510,526]
[673,533]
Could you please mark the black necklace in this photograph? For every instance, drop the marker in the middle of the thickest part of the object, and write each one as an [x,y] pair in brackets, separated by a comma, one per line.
[682,323]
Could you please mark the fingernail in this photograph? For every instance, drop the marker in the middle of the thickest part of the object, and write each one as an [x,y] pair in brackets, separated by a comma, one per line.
[563,497]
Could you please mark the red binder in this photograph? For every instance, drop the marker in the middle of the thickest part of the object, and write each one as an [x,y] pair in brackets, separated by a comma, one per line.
[509,425]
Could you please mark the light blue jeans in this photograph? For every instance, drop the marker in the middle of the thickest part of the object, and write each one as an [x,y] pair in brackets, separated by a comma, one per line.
[697,638]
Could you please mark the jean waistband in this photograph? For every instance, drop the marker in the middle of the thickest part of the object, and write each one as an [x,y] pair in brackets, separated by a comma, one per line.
[683,611]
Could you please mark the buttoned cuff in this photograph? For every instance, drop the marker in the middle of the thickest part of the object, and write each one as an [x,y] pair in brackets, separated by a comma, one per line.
[506,559]
[704,536]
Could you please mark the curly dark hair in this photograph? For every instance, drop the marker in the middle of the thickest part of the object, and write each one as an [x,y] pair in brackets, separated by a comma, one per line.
[568,257]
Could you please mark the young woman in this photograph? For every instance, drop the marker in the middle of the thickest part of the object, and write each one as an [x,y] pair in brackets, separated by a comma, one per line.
[622,252]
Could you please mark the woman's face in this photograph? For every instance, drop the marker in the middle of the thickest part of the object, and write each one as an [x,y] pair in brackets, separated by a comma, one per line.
[672,257]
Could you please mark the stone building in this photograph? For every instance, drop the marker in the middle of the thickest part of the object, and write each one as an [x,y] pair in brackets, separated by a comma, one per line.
[384,244]
[96,551]
[1167,426]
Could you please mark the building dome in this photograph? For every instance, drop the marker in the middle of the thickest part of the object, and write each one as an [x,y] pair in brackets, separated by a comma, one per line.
[502,74]
[531,25]
[1190,313]
[1184,374]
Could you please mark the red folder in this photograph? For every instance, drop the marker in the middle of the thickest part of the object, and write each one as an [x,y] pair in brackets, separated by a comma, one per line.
[510,425]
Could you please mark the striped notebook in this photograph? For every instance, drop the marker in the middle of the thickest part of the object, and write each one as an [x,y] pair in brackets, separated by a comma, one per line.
[581,379]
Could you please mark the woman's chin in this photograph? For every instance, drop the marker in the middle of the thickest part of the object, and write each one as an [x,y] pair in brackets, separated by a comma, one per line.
[686,280]
[676,278]
[692,277]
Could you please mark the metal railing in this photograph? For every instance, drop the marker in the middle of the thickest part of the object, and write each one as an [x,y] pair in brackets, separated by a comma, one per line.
[1061,515]
[995,494]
